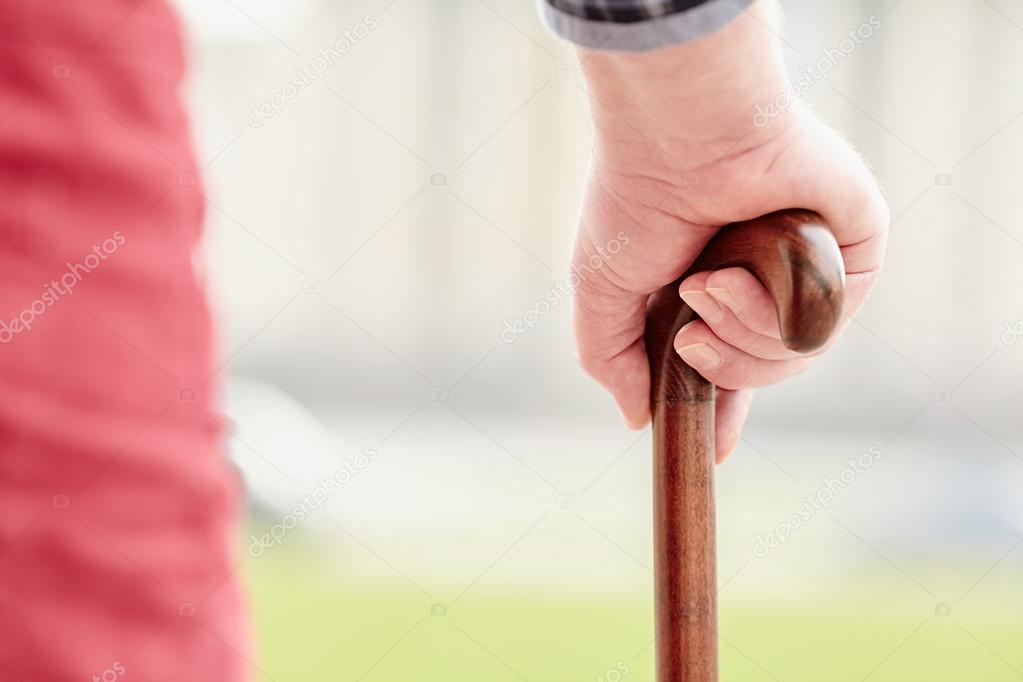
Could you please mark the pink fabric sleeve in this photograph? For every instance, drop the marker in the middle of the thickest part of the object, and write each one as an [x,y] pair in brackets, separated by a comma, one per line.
[117,508]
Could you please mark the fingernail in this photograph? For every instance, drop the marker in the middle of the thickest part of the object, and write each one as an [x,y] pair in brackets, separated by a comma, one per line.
[700,356]
[725,296]
[705,306]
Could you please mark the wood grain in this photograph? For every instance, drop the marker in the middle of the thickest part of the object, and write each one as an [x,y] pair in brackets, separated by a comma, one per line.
[795,256]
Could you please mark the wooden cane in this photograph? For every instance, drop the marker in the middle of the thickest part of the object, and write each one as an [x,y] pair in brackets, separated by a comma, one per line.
[795,256]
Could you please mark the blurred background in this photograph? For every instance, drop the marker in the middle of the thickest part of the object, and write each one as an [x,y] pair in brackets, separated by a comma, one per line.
[433,498]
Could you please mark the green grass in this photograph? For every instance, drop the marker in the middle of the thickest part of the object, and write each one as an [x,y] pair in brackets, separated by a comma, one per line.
[313,624]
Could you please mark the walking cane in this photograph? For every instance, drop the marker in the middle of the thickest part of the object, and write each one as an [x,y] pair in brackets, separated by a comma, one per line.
[795,256]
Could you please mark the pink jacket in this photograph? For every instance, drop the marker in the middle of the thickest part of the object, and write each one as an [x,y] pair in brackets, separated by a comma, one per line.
[117,507]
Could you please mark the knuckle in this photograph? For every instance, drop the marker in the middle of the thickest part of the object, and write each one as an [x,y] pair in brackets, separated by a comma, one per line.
[744,337]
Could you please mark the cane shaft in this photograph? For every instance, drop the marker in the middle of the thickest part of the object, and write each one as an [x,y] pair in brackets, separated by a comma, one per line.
[796,258]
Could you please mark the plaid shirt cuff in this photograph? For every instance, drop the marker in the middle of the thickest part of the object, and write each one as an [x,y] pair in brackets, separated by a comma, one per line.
[637,25]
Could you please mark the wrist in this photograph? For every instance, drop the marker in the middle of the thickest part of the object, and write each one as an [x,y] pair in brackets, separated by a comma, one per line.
[694,101]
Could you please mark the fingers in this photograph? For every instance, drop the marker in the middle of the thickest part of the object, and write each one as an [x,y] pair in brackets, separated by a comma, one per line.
[736,344]
[727,366]
[747,298]
[738,310]
[730,411]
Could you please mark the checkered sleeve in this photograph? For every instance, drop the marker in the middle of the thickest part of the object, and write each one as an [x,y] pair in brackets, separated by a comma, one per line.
[637,25]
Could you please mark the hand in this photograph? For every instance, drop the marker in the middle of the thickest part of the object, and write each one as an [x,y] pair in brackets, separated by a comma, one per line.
[677,155]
